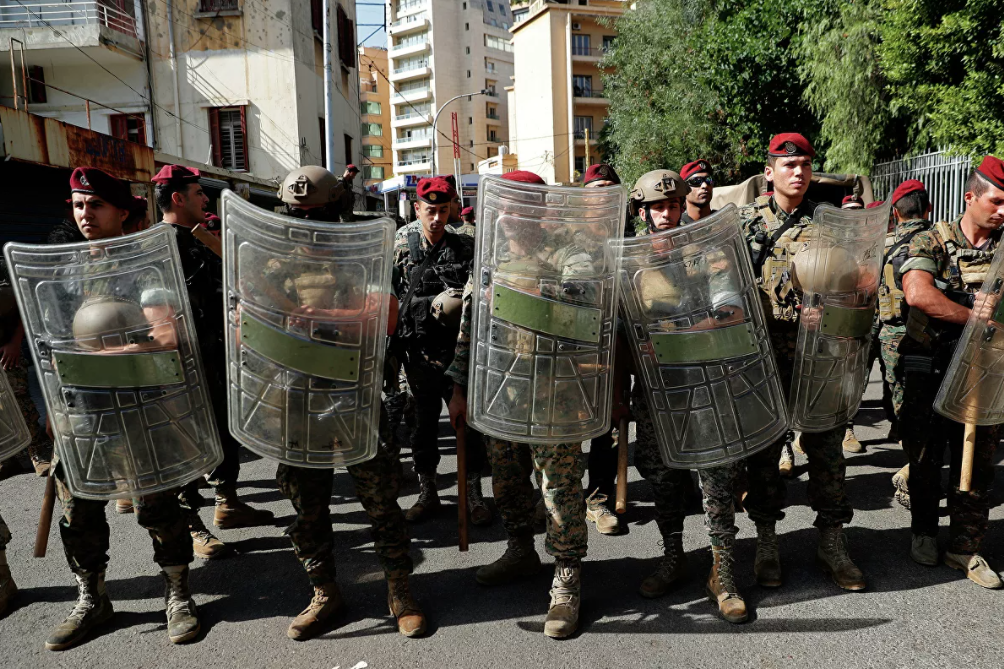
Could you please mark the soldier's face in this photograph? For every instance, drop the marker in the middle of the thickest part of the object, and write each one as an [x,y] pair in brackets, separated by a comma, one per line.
[602,183]
[663,215]
[987,210]
[433,217]
[97,219]
[192,202]
[791,175]
[702,186]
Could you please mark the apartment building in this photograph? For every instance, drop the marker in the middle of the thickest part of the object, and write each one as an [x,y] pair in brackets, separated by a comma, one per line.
[235,84]
[376,160]
[557,96]
[440,49]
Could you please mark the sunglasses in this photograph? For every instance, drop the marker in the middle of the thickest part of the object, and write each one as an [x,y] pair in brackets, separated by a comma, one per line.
[696,182]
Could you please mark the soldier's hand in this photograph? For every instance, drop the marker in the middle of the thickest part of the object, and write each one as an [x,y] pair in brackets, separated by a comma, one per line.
[458,405]
[10,354]
[984,306]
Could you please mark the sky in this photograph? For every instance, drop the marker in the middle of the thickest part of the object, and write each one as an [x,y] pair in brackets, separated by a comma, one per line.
[367,12]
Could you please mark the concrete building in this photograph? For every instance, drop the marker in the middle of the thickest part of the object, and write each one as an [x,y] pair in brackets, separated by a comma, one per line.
[232,83]
[557,94]
[376,160]
[440,49]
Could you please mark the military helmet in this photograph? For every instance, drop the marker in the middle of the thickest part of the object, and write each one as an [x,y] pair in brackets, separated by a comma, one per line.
[447,307]
[827,270]
[656,186]
[310,186]
[106,316]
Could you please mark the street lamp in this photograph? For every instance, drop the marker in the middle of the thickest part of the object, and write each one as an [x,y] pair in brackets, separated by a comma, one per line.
[483,91]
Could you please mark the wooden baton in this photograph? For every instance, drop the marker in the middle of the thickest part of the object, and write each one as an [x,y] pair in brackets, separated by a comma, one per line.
[968,451]
[622,462]
[462,482]
[211,241]
[45,519]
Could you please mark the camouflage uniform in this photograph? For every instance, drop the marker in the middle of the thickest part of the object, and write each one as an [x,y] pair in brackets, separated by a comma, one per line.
[781,301]
[467,229]
[958,269]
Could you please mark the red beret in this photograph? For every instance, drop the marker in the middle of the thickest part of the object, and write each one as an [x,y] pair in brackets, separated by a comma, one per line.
[435,190]
[92,181]
[524,177]
[790,144]
[351,168]
[848,199]
[876,203]
[467,211]
[600,172]
[905,188]
[176,174]
[992,169]
[695,167]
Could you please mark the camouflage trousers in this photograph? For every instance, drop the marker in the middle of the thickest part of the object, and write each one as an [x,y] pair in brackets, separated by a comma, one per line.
[560,470]
[4,534]
[927,435]
[669,485]
[377,483]
[890,337]
[40,447]
[718,486]
[85,532]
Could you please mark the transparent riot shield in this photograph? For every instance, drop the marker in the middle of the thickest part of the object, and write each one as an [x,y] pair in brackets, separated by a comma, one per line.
[14,434]
[307,324]
[973,388]
[693,316]
[111,334]
[837,271]
[543,321]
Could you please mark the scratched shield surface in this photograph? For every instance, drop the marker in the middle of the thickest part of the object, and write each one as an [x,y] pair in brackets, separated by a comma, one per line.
[307,313]
[110,331]
[14,434]
[696,326]
[839,277]
[544,311]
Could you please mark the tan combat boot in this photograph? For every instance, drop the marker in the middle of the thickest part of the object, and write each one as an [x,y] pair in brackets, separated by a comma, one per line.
[477,509]
[520,560]
[325,605]
[672,568]
[767,564]
[851,443]
[205,544]
[833,557]
[8,590]
[975,568]
[566,591]
[598,512]
[182,616]
[232,513]
[786,464]
[427,503]
[721,587]
[901,482]
[410,619]
[91,610]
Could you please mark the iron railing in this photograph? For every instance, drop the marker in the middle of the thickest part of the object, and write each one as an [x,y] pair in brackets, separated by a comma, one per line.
[45,14]
[944,175]
[219,5]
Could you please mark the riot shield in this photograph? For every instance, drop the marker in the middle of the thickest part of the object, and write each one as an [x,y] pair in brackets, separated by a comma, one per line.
[543,322]
[307,309]
[837,271]
[111,334]
[14,434]
[696,326]
[973,388]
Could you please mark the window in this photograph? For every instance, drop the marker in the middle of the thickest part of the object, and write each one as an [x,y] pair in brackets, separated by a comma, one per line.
[470,120]
[219,5]
[348,148]
[583,123]
[468,74]
[493,42]
[467,26]
[582,85]
[372,130]
[493,135]
[580,45]
[490,66]
[468,50]
[346,39]
[36,86]
[370,107]
[228,131]
[491,8]
[129,127]
[373,150]
[608,42]
[372,172]
[492,111]
[501,9]
[490,87]
[580,164]
[465,6]
[317,16]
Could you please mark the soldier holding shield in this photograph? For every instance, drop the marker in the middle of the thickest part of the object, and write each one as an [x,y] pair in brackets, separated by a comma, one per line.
[15,437]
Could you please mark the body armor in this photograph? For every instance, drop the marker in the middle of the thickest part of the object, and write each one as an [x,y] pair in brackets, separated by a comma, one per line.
[448,271]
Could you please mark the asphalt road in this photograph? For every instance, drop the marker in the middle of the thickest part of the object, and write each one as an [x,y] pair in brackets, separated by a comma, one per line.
[910,615]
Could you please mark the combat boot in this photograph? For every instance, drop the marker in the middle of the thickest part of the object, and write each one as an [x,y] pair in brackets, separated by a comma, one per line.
[325,605]
[721,586]
[205,544]
[182,616]
[767,564]
[427,503]
[976,569]
[566,591]
[124,506]
[232,513]
[520,560]
[410,619]
[833,557]
[477,509]
[672,567]
[786,465]
[795,439]
[924,550]
[8,590]
[901,482]
[91,610]
[598,512]
[851,443]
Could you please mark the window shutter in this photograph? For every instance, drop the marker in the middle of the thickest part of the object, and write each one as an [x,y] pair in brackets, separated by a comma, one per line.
[244,132]
[214,136]
[119,127]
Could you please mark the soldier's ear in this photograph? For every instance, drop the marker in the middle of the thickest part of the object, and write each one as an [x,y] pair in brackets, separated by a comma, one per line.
[768,172]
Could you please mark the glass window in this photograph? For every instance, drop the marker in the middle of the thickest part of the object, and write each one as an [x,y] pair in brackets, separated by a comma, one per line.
[372,130]
[582,85]
[580,45]
[370,107]
[372,172]
[583,123]
[491,8]
[373,150]
[608,42]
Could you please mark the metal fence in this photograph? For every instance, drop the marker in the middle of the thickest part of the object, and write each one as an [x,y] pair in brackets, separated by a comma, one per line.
[47,14]
[944,175]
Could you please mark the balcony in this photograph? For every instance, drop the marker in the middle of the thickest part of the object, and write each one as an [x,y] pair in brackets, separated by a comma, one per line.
[409,7]
[589,96]
[107,34]
[493,119]
[404,143]
[409,24]
[413,165]
[409,48]
[412,119]
[587,54]
[413,95]
[411,72]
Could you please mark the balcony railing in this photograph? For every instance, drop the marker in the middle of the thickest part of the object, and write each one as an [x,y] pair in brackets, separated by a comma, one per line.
[410,42]
[413,161]
[415,137]
[45,14]
[412,66]
[492,116]
[588,92]
[414,18]
[411,115]
[407,5]
[492,93]
[595,51]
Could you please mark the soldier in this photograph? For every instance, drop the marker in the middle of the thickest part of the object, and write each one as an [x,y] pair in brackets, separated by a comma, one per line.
[775,228]
[852,202]
[183,205]
[308,193]
[101,205]
[467,216]
[347,200]
[433,264]
[945,267]
[698,176]
[911,208]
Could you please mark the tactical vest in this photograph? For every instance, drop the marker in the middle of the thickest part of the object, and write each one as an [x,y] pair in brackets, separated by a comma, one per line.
[891,304]
[772,261]
[449,270]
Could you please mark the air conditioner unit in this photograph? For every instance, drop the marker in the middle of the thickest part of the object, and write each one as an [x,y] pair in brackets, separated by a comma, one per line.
[576,26]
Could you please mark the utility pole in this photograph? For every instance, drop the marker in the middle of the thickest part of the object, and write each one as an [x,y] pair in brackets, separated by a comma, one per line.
[435,118]
[329,100]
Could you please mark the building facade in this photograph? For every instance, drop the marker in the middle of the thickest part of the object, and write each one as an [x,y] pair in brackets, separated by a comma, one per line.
[440,49]
[557,99]
[376,158]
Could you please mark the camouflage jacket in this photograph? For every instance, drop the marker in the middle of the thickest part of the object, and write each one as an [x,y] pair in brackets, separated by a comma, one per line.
[897,247]
[466,229]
